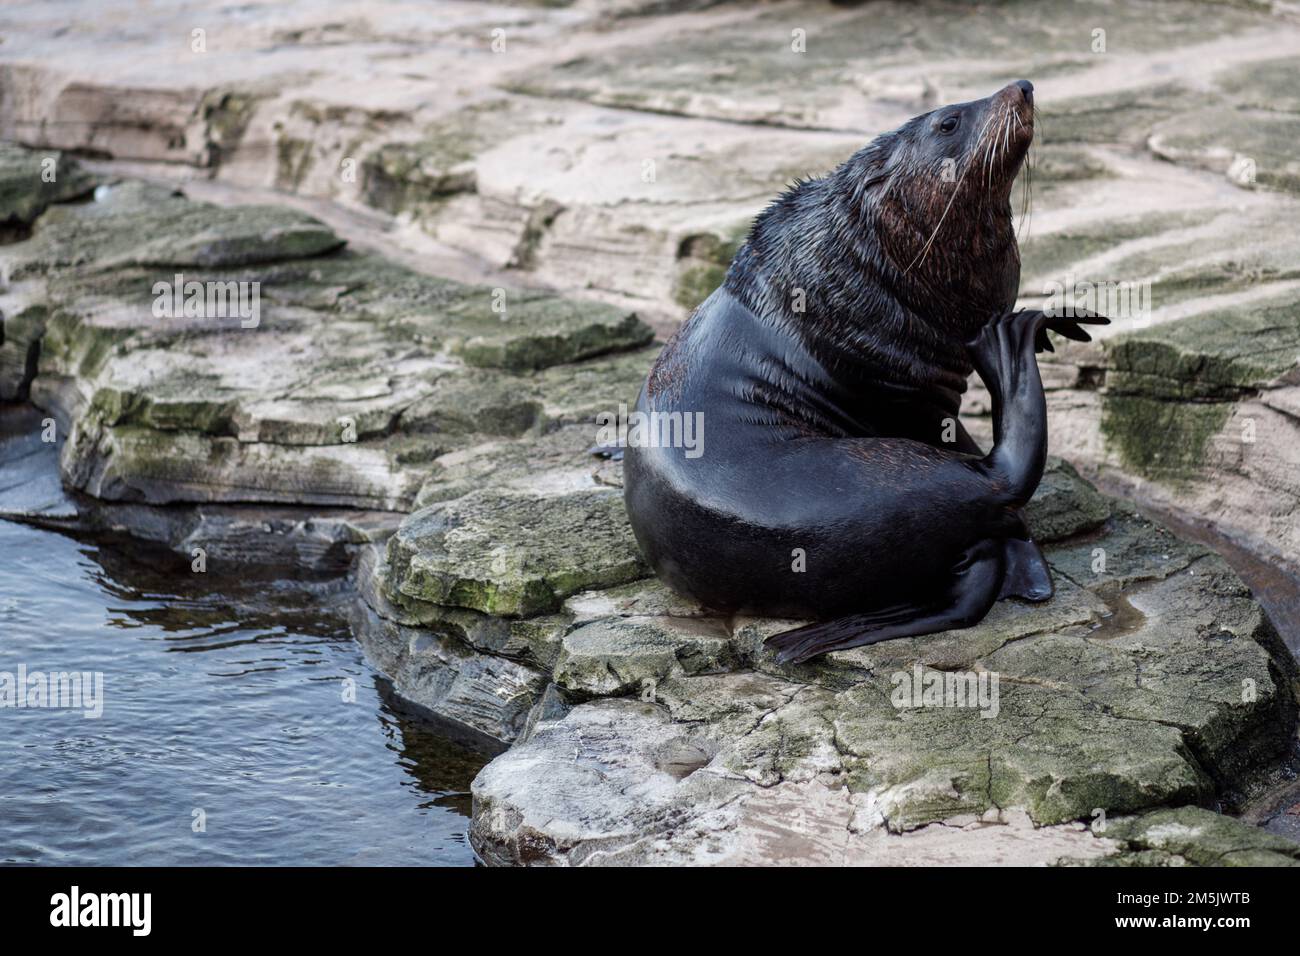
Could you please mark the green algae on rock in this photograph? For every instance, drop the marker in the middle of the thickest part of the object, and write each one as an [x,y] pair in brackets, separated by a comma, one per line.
[514,554]
[1214,355]
[1172,389]
[1069,731]
[305,403]
[139,225]
[1064,504]
[702,264]
[32,181]
[1192,836]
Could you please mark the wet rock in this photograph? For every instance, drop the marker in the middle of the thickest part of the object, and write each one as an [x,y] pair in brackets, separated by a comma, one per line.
[514,554]
[483,692]
[531,641]
[1152,678]
[1193,836]
[20,346]
[29,469]
[30,182]
[334,379]
[136,225]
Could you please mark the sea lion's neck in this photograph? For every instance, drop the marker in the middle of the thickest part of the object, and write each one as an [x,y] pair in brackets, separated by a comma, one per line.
[825,265]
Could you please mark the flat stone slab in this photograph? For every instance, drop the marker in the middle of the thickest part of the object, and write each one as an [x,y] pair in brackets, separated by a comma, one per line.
[302,402]
[513,554]
[1151,679]
[31,181]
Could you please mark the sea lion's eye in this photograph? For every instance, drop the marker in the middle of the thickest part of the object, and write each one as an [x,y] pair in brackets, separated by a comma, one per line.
[949,124]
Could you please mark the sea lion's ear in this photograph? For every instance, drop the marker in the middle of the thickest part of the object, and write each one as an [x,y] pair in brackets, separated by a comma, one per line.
[873,160]
[880,149]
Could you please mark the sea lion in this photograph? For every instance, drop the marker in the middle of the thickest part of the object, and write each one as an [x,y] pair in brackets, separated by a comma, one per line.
[835,482]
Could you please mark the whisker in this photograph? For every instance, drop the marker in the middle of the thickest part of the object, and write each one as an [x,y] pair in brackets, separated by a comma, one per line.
[1027,189]
[988,154]
[946,209]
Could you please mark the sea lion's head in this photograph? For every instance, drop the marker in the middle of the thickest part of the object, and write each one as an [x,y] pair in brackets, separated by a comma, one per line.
[903,252]
[939,192]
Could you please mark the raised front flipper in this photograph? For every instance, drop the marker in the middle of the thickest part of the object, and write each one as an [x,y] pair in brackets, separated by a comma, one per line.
[1071,326]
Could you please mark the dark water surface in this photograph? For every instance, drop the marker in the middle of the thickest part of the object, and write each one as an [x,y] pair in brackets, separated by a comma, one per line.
[220,695]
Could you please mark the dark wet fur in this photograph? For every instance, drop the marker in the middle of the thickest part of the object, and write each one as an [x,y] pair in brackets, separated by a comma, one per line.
[853,239]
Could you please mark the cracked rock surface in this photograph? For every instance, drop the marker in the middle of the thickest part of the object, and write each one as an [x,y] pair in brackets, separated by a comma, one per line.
[1151,679]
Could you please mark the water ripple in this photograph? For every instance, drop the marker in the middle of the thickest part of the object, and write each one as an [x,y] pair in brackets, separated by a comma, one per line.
[225,736]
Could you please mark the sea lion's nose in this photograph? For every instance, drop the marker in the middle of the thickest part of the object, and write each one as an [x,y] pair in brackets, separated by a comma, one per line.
[1026,90]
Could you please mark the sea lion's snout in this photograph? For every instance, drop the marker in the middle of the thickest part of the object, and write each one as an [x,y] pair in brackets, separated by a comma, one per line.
[1007,130]
[1017,97]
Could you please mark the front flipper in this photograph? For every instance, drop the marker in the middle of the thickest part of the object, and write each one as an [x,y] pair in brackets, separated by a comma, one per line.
[1071,326]
[975,584]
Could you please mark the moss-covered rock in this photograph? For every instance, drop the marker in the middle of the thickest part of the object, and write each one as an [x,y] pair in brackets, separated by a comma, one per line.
[33,180]
[540,330]
[1217,354]
[1064,504]
[514,554]
[1171,389]
[703,262]
[135,225]
[20,346]
[1194,836]
[1151,679]
[320,376]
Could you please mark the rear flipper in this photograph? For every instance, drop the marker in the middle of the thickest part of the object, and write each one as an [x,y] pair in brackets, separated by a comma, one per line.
[975,584]
[1026,574]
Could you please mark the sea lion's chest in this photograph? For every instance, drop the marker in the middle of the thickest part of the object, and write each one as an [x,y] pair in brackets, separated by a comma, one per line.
[745,372]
